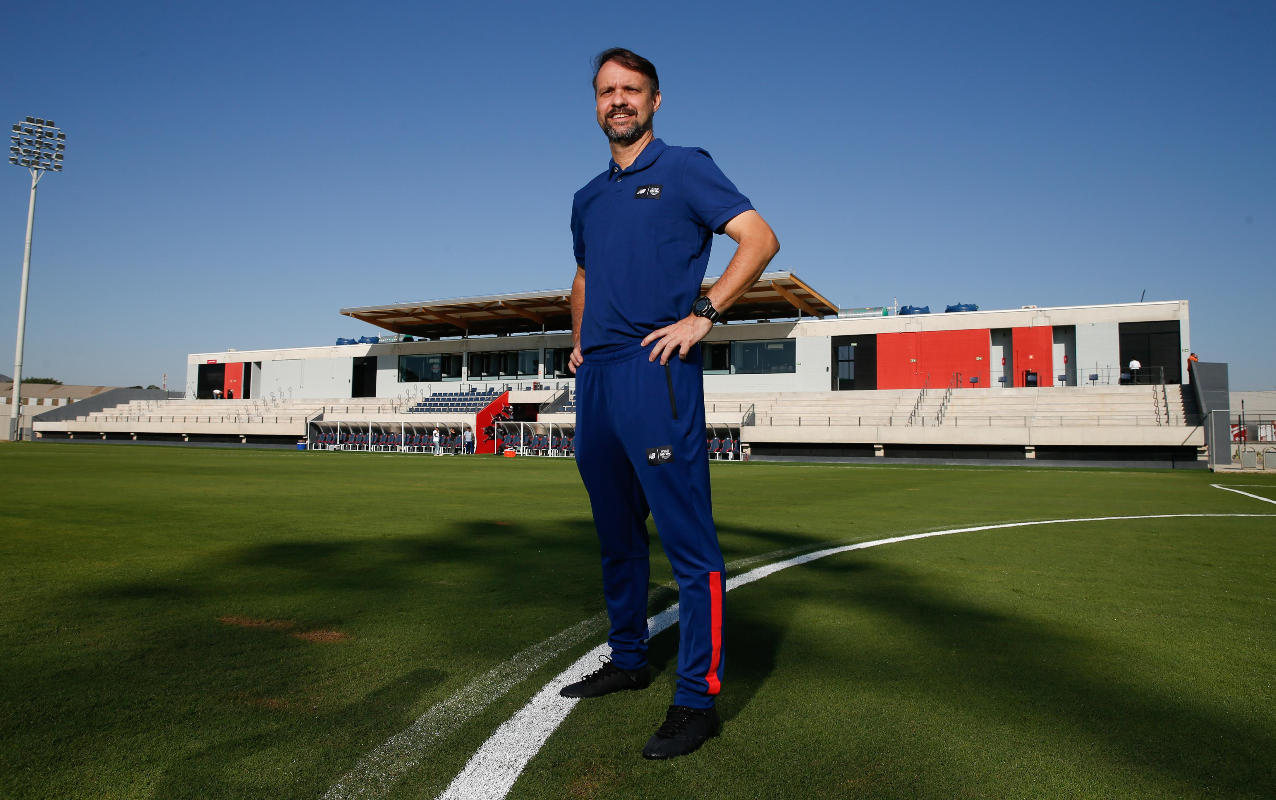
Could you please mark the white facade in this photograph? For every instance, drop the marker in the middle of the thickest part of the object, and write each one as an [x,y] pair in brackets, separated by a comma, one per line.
[1086,342]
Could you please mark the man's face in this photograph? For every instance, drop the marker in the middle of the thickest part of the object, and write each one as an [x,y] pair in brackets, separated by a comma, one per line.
[625,101]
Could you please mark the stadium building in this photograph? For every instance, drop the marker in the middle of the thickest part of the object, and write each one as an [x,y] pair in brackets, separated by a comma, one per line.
[790,375]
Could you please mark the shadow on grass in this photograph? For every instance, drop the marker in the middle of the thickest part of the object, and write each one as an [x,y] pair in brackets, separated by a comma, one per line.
[137,678]
[1014,668]
[134,679]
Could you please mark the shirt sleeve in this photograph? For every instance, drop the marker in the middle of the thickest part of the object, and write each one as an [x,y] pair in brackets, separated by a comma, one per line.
[578,235]
[713,199]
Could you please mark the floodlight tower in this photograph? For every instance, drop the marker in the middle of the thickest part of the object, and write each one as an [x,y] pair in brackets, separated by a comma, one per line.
[36,144]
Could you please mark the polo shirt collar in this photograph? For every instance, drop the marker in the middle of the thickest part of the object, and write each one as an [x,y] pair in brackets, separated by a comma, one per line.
[645,159]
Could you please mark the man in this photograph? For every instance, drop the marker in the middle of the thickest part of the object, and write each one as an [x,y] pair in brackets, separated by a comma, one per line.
[467,441]
[642,231]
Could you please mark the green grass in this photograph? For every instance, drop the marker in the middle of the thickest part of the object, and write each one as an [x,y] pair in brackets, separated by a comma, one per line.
[1113,659]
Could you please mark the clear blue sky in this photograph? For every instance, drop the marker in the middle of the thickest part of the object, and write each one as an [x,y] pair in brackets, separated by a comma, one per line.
[238,172]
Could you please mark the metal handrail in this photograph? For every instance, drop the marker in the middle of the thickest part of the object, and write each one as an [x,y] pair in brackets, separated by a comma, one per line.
[917,407]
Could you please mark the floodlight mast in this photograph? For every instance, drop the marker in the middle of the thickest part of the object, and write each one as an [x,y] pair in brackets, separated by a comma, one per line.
[37,145]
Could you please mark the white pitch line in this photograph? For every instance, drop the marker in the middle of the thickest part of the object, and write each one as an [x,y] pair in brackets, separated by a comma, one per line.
[1247,494]
[493,769]
[376,773]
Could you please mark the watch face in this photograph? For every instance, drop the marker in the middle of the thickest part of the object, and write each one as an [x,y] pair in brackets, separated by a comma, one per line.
[700,305]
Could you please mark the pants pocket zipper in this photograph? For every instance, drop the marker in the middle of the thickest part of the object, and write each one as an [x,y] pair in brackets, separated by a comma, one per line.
[673,403]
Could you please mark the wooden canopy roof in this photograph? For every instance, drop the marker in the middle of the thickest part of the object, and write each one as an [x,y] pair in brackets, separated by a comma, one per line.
[776,295]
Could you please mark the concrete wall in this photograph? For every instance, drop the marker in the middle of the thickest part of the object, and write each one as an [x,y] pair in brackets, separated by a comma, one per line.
[814,359]
[1096,343]
[1098,351]
[305,378]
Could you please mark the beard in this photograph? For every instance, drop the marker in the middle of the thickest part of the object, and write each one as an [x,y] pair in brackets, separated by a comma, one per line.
[627,133]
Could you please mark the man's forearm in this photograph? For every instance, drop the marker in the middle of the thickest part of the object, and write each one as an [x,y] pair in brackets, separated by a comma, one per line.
[757,246]
[578,304]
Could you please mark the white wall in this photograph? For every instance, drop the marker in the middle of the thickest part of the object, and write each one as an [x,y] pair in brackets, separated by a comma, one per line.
[814,359]
[1098,346]
[305,378]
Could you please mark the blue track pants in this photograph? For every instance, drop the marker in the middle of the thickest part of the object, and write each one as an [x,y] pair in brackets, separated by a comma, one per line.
[640,448]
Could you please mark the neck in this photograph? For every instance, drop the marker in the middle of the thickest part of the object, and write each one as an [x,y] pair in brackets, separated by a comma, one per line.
[626,154]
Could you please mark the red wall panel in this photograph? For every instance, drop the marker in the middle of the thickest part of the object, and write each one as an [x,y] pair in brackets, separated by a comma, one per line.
[944,353]
[897,362]
[1033,352]
[234,381]
[905,360]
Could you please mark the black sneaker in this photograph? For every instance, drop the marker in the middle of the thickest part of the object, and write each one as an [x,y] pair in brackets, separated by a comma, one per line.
[607,679]
[684,730]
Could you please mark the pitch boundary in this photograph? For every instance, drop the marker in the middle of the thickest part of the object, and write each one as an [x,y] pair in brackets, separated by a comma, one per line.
[492,771]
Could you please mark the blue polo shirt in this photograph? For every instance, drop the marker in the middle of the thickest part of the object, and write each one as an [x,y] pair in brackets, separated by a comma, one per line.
[643,235]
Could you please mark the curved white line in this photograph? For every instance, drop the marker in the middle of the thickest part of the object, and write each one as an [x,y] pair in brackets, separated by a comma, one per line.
[374,775]
[1247,494]
[492,771]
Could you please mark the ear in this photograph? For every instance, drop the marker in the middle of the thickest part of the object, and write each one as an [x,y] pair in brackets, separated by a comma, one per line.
[656,98]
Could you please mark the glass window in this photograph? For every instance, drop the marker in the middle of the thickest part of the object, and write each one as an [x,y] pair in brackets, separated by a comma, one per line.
[556,362]
[716,357]
[764,358]
[528,361]
[432,367]
[508,363]
[504,364]
[846,362]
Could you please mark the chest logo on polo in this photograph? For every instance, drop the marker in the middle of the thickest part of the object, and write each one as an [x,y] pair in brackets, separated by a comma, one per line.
[652,191]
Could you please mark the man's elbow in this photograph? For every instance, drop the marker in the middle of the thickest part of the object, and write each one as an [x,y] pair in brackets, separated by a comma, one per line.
[767,241]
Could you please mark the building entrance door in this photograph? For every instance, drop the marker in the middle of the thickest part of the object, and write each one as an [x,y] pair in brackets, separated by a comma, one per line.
[844,359]
[854,362]
[363,380]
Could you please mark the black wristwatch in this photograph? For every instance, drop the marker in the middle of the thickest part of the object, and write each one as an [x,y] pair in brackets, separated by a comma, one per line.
[703,307]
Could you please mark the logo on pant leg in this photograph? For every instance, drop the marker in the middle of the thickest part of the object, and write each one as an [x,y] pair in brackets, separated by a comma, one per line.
[659,455]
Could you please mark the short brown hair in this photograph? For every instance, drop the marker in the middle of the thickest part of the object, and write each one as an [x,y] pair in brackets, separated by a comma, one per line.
[629,60]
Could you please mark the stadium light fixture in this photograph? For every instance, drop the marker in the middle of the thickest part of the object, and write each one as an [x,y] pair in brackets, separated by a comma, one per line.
[36,145]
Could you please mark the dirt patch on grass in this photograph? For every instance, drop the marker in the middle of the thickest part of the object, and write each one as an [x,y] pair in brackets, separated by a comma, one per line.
[593,782]
[249,622]
[321,637]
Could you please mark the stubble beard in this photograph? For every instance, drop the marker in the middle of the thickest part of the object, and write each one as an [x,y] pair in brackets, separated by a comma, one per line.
[628,134]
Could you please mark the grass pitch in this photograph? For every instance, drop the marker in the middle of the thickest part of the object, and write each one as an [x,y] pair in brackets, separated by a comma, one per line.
[229,624]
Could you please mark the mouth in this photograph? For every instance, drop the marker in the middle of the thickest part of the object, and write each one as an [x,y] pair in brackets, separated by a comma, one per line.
[620,116]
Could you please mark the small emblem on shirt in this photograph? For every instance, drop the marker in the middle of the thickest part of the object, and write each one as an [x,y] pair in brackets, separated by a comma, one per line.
[652,191]
[659,455]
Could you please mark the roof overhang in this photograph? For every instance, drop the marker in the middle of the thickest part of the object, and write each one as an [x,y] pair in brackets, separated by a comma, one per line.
[776,295]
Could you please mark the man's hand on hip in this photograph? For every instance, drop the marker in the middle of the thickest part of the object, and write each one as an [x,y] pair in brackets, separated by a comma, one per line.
[679,337]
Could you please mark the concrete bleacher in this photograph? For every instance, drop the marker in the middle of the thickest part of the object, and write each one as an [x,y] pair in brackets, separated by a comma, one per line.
[1103,405]
[182,418]
[1091,416]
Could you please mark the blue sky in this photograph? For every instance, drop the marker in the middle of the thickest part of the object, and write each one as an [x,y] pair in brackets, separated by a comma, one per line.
[238,172]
